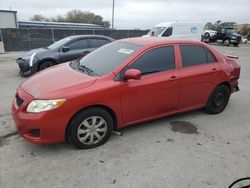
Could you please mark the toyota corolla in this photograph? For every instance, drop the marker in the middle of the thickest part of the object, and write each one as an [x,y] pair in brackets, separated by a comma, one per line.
[120,84]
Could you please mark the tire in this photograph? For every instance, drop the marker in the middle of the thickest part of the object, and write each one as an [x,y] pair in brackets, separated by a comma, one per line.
[46,64]
[218,100]
[236,44]
[82,133]
[206,35]
[226,42]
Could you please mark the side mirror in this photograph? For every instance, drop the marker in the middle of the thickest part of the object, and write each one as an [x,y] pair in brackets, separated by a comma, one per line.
[132,74]
[65,48]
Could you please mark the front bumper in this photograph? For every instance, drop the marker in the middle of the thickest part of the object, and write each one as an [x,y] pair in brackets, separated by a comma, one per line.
[40,128]
[25,69]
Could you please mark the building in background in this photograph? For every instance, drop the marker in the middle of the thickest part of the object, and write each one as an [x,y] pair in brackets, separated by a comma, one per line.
[8,19]
[57,25]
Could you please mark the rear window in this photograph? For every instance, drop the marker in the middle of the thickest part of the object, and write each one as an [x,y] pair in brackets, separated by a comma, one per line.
[195,55]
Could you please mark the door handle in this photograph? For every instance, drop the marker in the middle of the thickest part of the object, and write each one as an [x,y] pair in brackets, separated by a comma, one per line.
[172,78]
[215,70]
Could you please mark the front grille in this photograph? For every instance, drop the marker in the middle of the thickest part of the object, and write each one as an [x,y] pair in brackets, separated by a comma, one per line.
[19,101]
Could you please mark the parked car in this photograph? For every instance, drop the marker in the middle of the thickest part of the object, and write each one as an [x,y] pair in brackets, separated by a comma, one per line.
[64,50]
[189,30]
[208,35]
[120,84]
[225,36]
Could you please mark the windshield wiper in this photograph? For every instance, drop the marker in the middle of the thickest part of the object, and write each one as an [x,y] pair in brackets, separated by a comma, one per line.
[85,69]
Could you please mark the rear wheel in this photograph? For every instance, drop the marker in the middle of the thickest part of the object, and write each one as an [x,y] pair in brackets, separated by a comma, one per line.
[90,128]
[218,100]
[46,64]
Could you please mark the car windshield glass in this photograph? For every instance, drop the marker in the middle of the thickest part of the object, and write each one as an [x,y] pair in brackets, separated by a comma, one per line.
[106,58]
[157,30]
[230,30]
[59,43]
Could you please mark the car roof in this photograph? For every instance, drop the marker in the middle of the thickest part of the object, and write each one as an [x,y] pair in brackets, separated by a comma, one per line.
[89,36]
[154,41]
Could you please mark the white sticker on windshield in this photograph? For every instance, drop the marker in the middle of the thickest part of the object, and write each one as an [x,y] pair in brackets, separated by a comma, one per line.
[125,51]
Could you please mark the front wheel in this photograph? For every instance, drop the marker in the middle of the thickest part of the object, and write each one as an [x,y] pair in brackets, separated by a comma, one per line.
[218,100]
[90,128]
[46,64]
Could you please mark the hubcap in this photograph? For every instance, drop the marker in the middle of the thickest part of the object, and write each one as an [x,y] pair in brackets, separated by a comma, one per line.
[226,42]
[92,130]
[219,99]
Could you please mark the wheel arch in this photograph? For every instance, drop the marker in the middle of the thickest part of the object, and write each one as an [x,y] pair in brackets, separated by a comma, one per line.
[226,83]
[46,59]
[108,109]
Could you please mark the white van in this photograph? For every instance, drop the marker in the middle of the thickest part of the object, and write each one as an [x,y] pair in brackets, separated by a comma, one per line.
[177,30]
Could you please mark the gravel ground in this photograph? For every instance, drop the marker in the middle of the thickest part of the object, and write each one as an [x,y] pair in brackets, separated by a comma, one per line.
[193,149]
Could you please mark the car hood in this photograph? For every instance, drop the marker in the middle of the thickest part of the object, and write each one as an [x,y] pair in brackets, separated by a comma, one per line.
[29,53]
[236,34]
[57,82]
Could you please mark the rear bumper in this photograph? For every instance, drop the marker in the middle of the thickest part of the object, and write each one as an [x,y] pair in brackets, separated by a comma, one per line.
[236,88]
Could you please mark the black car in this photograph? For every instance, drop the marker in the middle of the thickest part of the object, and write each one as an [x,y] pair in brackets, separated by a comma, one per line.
[64,50]
[225,36]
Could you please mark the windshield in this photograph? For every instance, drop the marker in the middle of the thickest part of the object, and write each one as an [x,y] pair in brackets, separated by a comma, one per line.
[232,30]
[59,43]
[106,58]
[157,30]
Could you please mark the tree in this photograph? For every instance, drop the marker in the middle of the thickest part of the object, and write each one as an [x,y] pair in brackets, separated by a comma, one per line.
[219,24]
[39,17]
[75,16]
[245,31]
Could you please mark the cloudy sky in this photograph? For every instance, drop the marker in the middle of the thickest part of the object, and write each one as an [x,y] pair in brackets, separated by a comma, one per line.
[142,14]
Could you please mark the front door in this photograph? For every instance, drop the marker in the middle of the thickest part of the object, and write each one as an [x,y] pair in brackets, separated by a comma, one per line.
[157,92]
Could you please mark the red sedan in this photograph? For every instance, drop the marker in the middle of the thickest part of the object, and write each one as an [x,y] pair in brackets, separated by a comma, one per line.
[120,84]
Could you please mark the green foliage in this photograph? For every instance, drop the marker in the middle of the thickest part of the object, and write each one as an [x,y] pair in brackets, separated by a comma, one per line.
[74,16]
[245,31]
[39,17]
[219,24]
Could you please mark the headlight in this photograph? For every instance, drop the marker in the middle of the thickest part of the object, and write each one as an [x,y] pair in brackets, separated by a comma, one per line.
[37,106]
[31,59]
[233,37]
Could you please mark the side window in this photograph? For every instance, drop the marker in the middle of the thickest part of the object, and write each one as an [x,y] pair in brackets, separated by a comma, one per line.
[210,57]
[195,55]
[156,60]
[95,43]
[168,32]
[79,44]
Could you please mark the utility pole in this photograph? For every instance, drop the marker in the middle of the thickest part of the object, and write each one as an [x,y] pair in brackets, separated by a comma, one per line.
[113,11]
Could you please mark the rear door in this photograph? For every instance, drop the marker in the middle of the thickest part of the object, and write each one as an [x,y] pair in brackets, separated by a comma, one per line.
[157,92]
[77,49]
[198,75]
